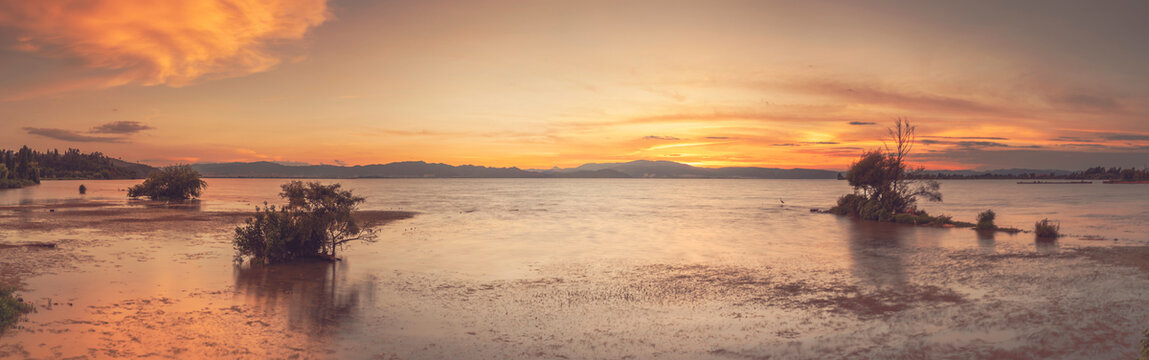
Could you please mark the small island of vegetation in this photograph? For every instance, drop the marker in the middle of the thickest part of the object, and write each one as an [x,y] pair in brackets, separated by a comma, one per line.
[317,220]
[11,307]
[886,188]
[171,183]
[1046,229]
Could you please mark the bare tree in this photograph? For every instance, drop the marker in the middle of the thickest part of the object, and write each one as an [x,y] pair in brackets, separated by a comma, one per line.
[886,177]
[907,183]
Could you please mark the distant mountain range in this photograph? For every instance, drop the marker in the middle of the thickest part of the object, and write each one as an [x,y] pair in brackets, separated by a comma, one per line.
[632,169]
[420,169]
[670,169]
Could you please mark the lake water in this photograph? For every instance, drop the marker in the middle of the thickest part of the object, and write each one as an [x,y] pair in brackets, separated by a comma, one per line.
[595,268]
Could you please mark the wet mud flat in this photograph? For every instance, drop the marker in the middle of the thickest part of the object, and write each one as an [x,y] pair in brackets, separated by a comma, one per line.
[1015,306]
[139,281]
[143,279]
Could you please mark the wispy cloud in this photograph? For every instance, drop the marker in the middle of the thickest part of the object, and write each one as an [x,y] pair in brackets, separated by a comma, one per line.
[874,95]
[1072,139]
[1081,101]
[963,137]
[69,135]
[964,144]
[1038,159]
[1126,136]
[862,123]
[120,127]
[655,137]
[172,43]
[670,146]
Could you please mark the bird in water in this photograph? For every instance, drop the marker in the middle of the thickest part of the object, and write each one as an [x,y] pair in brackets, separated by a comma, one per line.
[783,202]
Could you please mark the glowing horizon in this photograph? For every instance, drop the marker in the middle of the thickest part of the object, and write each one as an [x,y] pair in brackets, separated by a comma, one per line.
[537,85]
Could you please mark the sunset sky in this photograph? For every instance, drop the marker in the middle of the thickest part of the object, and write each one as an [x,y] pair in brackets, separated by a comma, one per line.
[536,84]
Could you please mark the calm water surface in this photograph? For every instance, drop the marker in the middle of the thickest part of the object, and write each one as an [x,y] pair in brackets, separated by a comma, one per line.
[605,268]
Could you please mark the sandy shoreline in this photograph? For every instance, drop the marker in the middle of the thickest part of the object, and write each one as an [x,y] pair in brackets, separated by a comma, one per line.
[78,231]
[137,217]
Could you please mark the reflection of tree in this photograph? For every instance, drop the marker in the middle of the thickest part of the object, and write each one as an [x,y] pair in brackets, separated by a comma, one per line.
[193,205]
[985,239]
[1046,246]
[316,296]
[873,248]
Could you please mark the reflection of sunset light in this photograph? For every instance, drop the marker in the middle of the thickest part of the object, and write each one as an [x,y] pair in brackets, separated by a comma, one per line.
[671,146]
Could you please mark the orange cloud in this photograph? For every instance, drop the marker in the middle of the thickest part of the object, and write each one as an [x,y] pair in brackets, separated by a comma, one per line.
[170,42]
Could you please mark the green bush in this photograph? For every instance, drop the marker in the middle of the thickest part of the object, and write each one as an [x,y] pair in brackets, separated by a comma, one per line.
[1046,229]
[273,236]
[178,182]
[10,307]
[849,204]
[874,211]
[317,220]
[906,219]
[985,220]
[941,220]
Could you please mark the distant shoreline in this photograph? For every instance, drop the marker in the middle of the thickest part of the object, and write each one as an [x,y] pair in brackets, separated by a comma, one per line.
[1056,181]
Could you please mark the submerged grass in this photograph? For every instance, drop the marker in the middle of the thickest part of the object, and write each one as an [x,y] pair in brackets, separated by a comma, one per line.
[10,307]
[922,218]
[1046,229]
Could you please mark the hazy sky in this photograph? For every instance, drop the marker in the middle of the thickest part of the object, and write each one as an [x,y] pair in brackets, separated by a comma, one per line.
[990,84]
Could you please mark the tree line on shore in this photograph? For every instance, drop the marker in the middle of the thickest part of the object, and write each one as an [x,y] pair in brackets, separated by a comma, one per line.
[1093,173]
[18,168]
[23,167]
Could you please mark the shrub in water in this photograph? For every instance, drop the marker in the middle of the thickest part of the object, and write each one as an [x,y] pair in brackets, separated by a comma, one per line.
[83,189]
[872,210]
[179,182]
[849,204]
[884,184]
[1046,229]
[906,219]
[941,220]
[10,307]
[985,220]
[317,220]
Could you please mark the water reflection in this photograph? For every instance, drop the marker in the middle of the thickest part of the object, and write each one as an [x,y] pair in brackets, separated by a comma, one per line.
[986,239]
[1046,245]
[194,205]
[875,249]
[316,296]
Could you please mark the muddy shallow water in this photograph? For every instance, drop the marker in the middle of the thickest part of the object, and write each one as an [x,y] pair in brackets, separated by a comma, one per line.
[573,269]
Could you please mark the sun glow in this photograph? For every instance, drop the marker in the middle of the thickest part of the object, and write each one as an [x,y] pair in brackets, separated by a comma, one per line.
[366,83]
